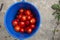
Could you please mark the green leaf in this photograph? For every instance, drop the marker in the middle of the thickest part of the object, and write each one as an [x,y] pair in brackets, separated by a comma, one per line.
[56,30]
[55,6]
[59,17]
[59,7]
[56,16]
[54,13]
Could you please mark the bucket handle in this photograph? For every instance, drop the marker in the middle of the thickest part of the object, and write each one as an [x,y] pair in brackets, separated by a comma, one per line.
[23,0]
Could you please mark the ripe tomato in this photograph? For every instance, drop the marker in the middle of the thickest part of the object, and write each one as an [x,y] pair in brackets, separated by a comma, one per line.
[28,12]
[17,28]
[23,18]
[29,17]
[19,16]
[22,24]
[21,10]
[22,30]
[32,21]
[15,22]
[32,26]
[27,23]
[29,30]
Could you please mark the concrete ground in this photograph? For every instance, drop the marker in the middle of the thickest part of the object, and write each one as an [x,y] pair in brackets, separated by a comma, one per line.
[45,31]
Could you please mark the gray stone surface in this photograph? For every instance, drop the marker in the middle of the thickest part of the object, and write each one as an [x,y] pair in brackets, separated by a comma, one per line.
[47,20]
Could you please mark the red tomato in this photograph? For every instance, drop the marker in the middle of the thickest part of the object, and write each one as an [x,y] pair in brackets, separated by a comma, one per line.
[19,16]
[27,22]
[32,26]
[33,20]
[29,17]
[21,10]
[28,12]
[15,22]
[28,30]
[22,24]
[24,18]
[22,30]
[17,28]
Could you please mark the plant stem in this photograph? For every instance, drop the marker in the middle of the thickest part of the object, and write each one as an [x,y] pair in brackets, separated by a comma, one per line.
[1,7]
[59,1]
[55,30]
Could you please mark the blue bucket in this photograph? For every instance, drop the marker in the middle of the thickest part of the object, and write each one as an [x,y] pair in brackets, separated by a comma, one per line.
[10,15]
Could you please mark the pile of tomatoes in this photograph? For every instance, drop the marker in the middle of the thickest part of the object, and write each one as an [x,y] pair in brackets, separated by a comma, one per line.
[24,22]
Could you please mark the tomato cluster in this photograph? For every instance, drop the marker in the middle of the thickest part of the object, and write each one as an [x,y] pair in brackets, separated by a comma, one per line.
[24,22]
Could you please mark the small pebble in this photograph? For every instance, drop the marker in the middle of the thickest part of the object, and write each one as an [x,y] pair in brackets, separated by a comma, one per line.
[15,39]
[9,36]
[5,36]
